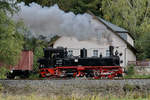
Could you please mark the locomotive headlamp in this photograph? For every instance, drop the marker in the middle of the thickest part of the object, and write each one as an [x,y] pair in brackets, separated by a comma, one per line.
[75,60]
[11,71]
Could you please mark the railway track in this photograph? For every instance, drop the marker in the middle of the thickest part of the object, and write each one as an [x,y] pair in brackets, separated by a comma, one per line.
[81,79]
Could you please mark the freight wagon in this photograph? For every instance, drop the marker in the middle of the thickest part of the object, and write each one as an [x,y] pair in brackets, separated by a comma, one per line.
[24,66]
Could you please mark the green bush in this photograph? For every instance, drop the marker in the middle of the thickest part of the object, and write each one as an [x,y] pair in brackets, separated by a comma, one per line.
[130,70]
[3,72]
[34,75]
[1,87]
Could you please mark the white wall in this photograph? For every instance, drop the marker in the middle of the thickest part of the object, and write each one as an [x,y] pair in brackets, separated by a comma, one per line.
[130,55]
[73,44]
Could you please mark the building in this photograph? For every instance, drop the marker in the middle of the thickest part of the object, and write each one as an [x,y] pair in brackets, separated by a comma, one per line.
[107,34]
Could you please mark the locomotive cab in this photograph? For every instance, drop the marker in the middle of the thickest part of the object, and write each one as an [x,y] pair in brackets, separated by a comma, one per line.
[51,55]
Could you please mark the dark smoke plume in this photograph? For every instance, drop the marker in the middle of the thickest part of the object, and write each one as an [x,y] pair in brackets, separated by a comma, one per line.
[50,21]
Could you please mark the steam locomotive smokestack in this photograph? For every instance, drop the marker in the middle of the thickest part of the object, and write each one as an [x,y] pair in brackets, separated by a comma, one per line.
[83,53]
[111,50]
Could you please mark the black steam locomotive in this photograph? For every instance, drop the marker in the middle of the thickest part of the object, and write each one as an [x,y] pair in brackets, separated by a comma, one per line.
[57,63]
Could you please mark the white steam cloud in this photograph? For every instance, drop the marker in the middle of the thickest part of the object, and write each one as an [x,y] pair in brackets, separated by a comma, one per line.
[50,21]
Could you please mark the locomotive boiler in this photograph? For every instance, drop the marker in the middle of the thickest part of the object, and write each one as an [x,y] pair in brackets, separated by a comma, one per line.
[56,63]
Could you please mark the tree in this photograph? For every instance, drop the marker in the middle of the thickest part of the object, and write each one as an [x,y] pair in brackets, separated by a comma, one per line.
[8,6]
[10,38]
[145,42]
[132,15]
[37,54]
[76,6]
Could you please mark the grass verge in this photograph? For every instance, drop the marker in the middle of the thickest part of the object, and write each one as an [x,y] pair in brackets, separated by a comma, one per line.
[129,96]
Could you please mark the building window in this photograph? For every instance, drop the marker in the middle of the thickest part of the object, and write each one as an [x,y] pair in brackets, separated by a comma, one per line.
[107,53]
[95,53]
[70,52]
[99,36]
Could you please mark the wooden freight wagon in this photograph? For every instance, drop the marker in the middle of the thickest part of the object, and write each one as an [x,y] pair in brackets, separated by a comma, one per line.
[24,66]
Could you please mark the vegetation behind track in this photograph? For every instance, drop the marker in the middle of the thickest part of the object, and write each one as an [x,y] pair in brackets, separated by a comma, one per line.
[131,73]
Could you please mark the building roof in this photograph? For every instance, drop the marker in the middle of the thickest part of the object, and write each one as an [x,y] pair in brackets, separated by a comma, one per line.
[115,27]
[112,26]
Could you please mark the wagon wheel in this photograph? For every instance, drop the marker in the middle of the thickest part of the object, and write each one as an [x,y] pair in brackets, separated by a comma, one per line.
[96,74]
[80,74]
[75,74]
[59,73]
[119,75]
[62,73]
[10,76]
[111,76]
